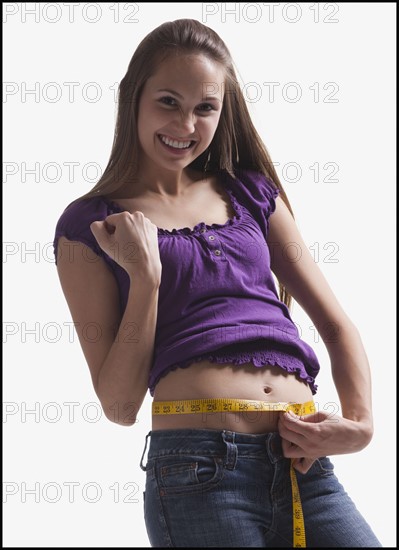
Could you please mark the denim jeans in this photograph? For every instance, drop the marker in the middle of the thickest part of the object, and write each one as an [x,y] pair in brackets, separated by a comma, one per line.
[211,488]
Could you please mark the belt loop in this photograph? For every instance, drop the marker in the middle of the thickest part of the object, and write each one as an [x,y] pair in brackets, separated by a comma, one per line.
[274,448]
[145,448]
[232,452]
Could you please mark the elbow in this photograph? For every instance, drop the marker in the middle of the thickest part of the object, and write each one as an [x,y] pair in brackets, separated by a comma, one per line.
[122,420]
[117,409]
[368,432]
[122,413]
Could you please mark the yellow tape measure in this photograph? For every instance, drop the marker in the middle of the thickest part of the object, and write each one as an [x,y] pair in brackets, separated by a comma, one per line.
[299,538]
[195,406]
[192,406]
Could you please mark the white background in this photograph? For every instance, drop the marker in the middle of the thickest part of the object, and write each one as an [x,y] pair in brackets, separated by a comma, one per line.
[45,368]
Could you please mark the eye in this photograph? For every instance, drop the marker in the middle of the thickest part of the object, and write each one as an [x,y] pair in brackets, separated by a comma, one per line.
[206,107]
[168,100]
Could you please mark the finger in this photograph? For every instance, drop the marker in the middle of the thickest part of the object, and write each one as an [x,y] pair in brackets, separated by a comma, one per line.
[114,218]
[290,436]
[109,227]
[296,424]
[315,418]
[100,232]
[291,450]
[303,464]
[96,228]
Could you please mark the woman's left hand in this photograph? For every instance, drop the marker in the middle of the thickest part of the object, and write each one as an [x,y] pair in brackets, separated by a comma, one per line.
[308,437]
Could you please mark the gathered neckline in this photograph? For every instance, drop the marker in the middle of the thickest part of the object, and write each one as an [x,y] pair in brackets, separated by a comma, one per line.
[236,206]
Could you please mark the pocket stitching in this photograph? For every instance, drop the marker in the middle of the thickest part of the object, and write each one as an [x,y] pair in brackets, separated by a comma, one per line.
[197,487]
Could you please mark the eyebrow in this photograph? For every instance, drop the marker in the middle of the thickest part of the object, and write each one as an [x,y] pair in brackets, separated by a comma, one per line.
[181,97]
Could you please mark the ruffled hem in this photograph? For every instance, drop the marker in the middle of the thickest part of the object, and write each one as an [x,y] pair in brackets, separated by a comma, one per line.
[115,207]
[258,359]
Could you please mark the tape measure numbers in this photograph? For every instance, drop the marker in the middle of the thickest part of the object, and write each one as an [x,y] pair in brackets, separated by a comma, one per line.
[195,406]
[299,537]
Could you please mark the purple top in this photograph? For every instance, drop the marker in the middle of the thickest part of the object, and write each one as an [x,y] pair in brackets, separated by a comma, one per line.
[217,298]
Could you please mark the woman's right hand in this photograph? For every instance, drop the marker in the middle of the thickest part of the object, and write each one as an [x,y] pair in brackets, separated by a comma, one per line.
[131,240]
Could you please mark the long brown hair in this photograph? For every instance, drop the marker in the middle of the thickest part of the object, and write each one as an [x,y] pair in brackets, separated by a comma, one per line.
[236,144]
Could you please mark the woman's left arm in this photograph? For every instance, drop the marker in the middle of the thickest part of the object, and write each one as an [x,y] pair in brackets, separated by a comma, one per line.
[321,434]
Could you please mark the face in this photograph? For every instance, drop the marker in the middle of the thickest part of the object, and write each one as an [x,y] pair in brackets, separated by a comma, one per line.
[179,111]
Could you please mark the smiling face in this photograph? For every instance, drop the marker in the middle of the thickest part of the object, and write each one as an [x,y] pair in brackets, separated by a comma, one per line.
[179,111]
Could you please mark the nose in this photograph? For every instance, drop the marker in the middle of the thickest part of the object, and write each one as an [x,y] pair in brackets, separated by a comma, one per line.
[186,123]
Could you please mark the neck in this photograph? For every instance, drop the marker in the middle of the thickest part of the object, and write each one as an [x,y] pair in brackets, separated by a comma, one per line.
[166,182]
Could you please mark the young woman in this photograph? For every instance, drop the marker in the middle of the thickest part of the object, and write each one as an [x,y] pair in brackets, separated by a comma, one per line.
[168,261]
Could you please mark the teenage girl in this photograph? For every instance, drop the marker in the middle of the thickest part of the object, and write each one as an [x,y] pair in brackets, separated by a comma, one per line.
[170,258]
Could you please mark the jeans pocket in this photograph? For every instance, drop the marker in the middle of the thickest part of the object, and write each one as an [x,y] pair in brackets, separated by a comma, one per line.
[189,474]
[206,469]
[177,473]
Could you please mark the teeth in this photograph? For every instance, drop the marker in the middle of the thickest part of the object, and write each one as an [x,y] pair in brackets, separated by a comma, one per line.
[176,144]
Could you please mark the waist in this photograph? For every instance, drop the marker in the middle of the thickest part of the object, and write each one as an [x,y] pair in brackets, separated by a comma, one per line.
[212,443]
[207,380]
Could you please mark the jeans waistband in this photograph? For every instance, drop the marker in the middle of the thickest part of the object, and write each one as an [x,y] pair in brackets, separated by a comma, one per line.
[213,442]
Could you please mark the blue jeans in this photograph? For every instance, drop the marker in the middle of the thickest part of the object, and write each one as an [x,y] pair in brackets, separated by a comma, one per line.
[216,488]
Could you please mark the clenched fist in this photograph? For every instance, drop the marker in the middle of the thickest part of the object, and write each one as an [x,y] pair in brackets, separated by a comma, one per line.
[131,240]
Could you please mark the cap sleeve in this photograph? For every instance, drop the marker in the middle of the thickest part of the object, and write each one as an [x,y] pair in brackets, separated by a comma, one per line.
[74,224]
[258,194]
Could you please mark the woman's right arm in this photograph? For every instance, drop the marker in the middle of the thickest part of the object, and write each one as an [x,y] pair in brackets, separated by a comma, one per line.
[118,350]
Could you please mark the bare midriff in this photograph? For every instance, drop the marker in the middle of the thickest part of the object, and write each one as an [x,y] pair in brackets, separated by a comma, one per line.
[205,379]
